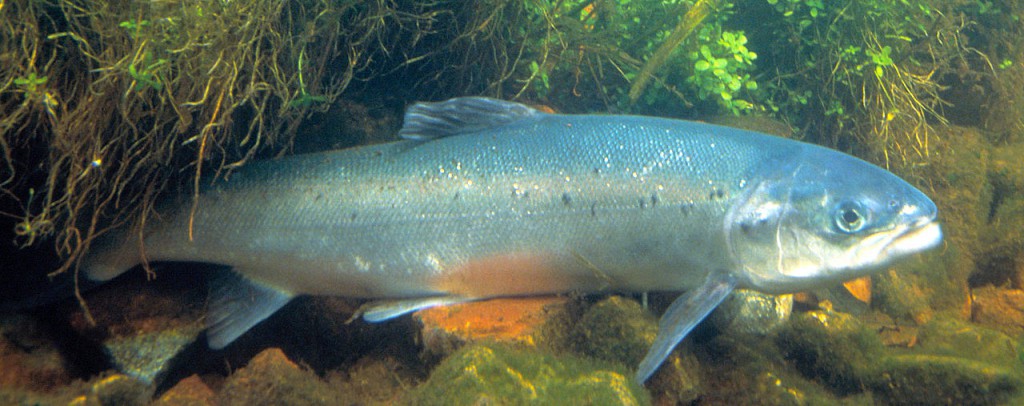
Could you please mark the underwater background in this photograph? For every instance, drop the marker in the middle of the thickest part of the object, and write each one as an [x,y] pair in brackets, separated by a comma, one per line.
[107,105]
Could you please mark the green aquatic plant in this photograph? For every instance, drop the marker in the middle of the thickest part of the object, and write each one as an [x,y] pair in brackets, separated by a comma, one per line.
[870,67]
[632,55]
[31,84]
[721,70]
[133,26]
[150,91]
[304,99]
[145,73]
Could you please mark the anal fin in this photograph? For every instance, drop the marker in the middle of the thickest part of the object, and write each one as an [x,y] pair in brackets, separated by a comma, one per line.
[385,310]
[236,305]
[681,317]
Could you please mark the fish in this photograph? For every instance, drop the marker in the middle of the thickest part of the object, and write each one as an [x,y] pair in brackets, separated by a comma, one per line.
[486,198]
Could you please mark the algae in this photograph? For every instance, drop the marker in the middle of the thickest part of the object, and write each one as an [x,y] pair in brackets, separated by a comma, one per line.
[272,379]
[953,361]
[615,329]
[495,373]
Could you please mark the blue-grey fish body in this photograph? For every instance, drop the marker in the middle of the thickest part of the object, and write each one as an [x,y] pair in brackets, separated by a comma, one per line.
[489,198]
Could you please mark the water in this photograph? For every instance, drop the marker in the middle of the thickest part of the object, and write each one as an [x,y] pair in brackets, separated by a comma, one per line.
[106,105]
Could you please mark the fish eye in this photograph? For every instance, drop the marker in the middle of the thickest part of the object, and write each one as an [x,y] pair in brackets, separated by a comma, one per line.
[849,217]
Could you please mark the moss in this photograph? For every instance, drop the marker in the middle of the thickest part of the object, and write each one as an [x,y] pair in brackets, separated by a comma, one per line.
[957,180]
[954,361]
[928,379]
[834,348]
[615,329]
[271,379]
[746,370]
[956,338]
[494,373]
[1002,243]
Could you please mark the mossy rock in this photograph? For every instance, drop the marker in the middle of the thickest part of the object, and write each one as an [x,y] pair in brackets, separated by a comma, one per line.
[615,329]
[933,379]
[272,379]
[956,177]
[619,330]
[952,337]
[834,348]
[955,362]
[749,370]
[1002,252]
[497,374]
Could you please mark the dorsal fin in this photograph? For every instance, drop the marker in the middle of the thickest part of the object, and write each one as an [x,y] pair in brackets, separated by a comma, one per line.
[462,115]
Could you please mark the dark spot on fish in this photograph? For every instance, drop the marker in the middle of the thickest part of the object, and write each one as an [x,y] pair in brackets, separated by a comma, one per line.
[566,199]
[716,193]
[643,203]
[654,199]
[597,171]
[687,208]
[745,227]
[456,197]
[353,216]
[593,210]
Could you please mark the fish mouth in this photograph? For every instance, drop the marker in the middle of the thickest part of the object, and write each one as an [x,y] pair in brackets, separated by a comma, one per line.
[922,235]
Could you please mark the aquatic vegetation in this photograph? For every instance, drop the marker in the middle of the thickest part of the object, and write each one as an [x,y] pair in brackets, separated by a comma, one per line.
[722,70]
[113,100]
[106,105]
[486,373]
[873,71]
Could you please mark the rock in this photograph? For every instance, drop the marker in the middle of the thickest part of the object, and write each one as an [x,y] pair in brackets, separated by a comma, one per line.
[272,379]
[953,362]
[375,380]
[957,338]
[187,392]
[519,320]
[30,361]
[901,293]
[615,329]
[752,312]
[1002,258]
[749,370]
[999,308]
[834,348]
[619,330]
[956,177]
[499,374]
[143,325]
[956,362]
[114,389]
[931,379]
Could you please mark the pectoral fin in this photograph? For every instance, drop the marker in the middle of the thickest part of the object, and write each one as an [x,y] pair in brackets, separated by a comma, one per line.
[681,317]
[237,304]
[385,310]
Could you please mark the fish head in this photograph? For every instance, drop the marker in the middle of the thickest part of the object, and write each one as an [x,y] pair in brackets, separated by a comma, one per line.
[823,218]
